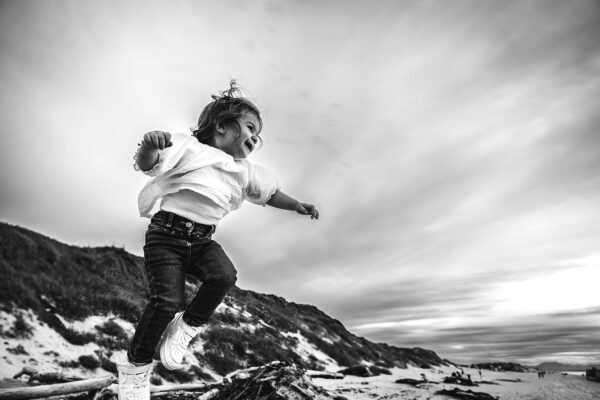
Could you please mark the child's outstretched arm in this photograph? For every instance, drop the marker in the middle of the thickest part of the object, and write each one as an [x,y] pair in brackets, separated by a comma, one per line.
[147,154]
[285,202]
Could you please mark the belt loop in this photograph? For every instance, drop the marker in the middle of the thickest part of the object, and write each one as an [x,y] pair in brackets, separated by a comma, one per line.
[170,219]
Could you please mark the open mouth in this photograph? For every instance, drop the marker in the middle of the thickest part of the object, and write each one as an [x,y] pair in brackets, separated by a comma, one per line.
[249,144]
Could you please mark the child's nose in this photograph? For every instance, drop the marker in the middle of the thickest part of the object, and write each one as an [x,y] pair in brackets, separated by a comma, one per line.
[254,139]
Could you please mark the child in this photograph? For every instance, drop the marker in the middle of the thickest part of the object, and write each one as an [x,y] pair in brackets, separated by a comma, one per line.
[197,181]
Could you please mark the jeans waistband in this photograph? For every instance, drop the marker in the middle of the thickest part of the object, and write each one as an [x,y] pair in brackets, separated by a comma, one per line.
[183,225]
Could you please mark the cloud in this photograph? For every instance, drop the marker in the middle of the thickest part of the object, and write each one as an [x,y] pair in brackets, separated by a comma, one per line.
[452,151]
[526,339]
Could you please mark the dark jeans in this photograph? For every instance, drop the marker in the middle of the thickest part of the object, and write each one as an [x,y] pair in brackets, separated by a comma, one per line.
[175,246]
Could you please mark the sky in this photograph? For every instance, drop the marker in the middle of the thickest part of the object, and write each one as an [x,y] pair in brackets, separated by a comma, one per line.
[452,149]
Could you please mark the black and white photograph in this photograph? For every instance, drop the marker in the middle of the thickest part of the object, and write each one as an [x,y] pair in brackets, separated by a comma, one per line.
[300,199]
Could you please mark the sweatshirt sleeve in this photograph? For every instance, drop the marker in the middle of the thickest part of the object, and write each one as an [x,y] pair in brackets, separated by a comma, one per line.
[261,186]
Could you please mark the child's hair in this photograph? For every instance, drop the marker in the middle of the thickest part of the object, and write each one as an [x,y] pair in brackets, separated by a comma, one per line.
[224,109]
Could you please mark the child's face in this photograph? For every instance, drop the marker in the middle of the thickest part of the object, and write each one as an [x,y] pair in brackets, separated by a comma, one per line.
[240,144]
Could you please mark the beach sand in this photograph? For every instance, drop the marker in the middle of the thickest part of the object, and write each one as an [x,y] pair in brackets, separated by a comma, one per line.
[553,387]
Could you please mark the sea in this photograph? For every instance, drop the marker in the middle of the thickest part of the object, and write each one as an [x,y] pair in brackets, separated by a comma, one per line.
[566,385]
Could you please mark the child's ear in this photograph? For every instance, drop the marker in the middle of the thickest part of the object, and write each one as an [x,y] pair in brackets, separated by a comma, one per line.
[220,128]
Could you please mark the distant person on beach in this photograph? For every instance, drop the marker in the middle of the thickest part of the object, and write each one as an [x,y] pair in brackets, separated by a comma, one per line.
[197,180]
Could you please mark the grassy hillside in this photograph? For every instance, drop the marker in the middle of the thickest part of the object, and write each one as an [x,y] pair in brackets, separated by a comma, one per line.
[54,279]
[80,281]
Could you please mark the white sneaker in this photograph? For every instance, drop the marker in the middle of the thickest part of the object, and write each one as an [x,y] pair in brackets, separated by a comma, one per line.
[177,338]
[134,382]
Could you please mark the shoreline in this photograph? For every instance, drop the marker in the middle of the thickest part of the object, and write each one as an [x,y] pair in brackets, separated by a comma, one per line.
[505,385]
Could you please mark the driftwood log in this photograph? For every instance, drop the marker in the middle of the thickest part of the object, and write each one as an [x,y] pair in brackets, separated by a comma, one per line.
[104,386]
[49,377]
[36,392]
[324,375]
[187,387]
[273,381]
[111,391]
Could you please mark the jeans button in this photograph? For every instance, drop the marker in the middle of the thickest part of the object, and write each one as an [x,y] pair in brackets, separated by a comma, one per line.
[188,224]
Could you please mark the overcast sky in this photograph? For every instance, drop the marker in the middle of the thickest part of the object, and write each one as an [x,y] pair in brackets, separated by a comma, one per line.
[452,148]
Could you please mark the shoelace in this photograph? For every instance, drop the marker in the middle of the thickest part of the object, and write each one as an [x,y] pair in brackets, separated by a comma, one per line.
[140,380]
[183,339]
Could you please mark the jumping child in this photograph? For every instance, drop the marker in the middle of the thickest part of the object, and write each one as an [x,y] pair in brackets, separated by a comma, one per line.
[197,180]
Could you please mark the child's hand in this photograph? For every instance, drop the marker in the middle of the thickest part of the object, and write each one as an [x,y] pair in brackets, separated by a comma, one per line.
[158,140]
[307,209]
